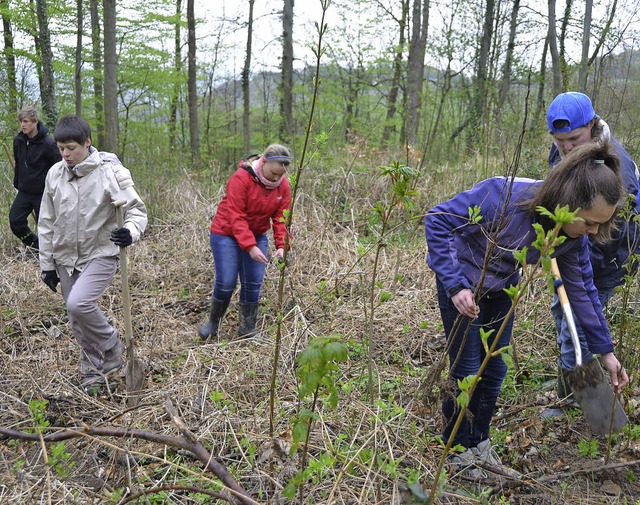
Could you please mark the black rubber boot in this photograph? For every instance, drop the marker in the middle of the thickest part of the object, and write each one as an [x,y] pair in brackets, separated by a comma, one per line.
[217,311]
[31,241]
[563,388]
[248,313]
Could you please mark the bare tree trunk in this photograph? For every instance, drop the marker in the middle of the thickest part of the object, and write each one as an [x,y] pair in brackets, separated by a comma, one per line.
[564,68]
[479,104]
[415,76]
[539,111]
[586,38]
[604,34]
[110,78]
[10,58]
[96,53]
[506,67]
[246,75]
[394,90]
[287,71]
[177,67]
[47,89]
[553,50]
[78,69]
[194,130]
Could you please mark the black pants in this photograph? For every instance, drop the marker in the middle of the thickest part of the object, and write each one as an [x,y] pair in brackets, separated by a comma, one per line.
[21,207]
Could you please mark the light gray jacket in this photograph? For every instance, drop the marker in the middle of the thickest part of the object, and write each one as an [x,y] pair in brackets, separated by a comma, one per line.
[77,214]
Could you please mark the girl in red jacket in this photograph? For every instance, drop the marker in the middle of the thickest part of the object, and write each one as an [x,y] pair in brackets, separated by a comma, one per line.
[257,195]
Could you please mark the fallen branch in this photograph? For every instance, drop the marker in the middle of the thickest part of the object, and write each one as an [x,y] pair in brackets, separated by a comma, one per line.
[188,443]
[159,489]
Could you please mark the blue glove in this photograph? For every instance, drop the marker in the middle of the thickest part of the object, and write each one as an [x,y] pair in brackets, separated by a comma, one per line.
[121,237]
[51,279]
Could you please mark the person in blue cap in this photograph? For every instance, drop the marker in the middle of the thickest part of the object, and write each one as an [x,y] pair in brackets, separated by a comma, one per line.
[573,122]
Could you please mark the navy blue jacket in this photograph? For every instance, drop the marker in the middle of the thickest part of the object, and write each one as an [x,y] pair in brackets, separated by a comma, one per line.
[608,260]
[456,250]
[33,159]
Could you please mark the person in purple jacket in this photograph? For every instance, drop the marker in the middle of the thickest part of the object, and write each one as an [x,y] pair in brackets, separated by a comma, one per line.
[471,293]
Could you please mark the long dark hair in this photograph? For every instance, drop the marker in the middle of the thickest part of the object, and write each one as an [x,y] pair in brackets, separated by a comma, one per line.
[588,171]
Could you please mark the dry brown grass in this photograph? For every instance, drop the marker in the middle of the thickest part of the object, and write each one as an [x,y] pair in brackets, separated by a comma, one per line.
[221,389]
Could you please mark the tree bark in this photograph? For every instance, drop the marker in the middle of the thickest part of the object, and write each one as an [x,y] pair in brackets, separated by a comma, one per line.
[415,76]
[394,90]
[246,76]
[78,70]
[110,78]
[10,58]
[96,54]
[194,130]
[564,68]
[506,67]
[47,88]
[479,104]
[177,68]
[553,50]
[287,71]
[586,38]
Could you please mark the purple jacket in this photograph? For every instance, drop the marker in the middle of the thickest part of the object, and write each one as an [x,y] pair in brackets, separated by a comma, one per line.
[456,250]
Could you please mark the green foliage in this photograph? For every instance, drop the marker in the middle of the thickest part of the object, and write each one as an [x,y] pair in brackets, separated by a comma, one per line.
[38,409]
[317,365]
[588,448]
[58,457]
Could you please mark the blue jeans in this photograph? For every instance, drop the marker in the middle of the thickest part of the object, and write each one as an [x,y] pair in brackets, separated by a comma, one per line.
[567,357]
[230,262]
[465,356]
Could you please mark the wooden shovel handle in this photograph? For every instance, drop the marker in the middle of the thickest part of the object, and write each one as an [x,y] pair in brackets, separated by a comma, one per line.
[124,275]
[562,293]
[568,314]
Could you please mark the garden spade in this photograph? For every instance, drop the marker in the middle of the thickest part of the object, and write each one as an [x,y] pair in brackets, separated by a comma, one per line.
[590,387]
[135,371]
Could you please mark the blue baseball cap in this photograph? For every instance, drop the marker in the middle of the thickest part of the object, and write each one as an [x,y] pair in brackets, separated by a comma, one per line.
[573,107]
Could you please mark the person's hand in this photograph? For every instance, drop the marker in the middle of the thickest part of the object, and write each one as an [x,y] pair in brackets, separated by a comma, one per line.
[257,255]
[279,255]
[121,237]
[51,279]
[466,305]
[618,374]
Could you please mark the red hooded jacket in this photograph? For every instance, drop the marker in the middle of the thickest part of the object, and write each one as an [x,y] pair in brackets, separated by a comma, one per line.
[249,209]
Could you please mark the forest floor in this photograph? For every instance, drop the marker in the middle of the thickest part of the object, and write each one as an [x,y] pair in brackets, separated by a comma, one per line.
[360,452]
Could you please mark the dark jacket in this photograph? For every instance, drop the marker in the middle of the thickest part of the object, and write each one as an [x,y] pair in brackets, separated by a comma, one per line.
[608,260]
[457,248]
[33,159]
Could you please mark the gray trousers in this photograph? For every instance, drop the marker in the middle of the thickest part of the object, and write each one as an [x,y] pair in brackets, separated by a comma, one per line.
[81,291]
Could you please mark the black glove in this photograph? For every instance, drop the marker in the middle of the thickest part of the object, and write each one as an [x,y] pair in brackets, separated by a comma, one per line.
[121,237]
[51,279]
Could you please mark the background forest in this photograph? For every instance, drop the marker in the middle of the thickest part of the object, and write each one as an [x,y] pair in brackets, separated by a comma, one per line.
[390,106]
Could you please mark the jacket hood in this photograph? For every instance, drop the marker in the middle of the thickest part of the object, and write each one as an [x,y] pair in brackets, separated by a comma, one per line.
[42,133]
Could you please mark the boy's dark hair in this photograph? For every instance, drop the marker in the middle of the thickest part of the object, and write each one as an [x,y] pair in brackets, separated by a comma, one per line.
[588,171]
[72,128]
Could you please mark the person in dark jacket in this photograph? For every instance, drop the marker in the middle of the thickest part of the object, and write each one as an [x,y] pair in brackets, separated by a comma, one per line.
[471,294]
[34,153]
[573,122]
[257,196]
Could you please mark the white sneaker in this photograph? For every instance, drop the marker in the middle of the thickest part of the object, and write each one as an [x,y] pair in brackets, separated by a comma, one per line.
[464,465]
[485,453]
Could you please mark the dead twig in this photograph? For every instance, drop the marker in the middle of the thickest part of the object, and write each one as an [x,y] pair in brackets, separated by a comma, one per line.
[188,443]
